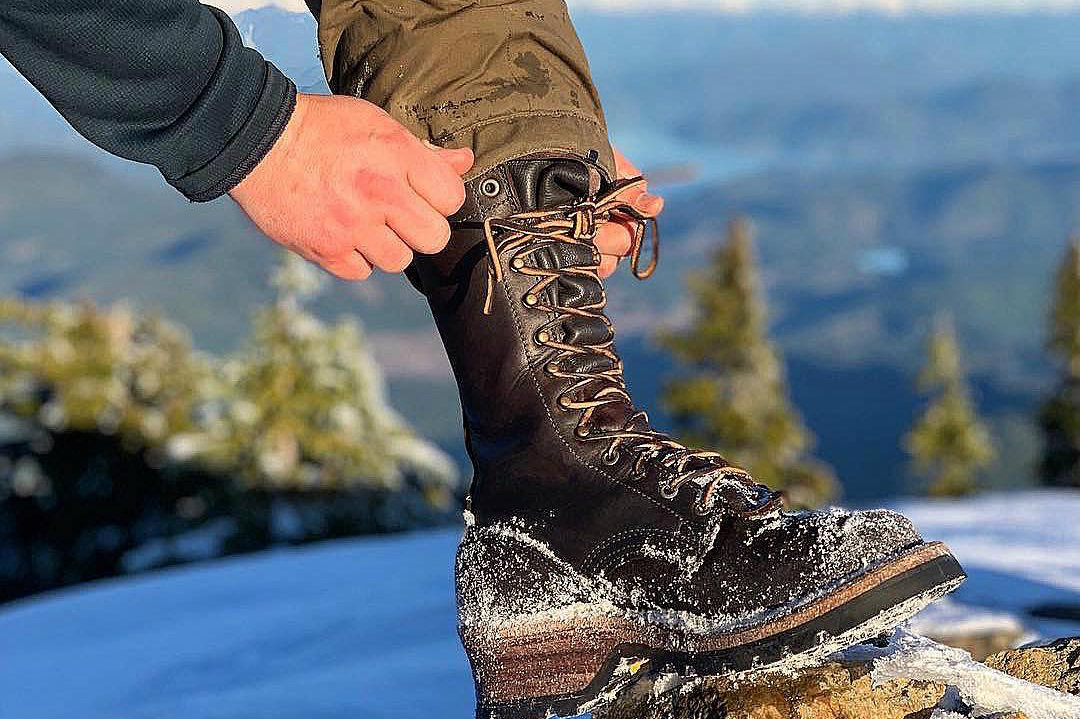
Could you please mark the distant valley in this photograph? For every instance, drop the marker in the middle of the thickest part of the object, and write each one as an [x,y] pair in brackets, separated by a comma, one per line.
[891,170]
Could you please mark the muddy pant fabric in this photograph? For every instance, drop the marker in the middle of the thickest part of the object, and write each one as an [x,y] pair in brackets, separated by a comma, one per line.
[507,79]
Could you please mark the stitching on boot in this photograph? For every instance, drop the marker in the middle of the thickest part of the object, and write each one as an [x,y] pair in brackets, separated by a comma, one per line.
[600,556]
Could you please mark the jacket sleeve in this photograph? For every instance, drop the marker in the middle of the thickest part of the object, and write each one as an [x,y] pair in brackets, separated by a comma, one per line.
[164,82]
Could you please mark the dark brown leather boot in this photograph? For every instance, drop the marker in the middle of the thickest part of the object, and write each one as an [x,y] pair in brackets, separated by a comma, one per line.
[598,551]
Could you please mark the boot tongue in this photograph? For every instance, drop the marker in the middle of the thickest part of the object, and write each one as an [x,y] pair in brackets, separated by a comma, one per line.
[547,184]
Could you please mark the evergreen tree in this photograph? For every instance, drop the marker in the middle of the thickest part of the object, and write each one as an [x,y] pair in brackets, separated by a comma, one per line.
[948,444]
[78,367]
[1060,415]
[306,408]
[733,397]
[127,437]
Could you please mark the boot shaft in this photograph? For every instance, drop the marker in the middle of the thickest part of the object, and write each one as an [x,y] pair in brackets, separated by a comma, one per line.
[530,463]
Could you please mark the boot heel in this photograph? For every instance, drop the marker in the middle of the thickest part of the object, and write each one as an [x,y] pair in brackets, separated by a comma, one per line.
[539,642]
[523,673]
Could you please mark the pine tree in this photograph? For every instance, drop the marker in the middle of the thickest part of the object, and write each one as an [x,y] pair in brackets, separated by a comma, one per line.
[733,397]
[306,408]
[948,444]
[127,435]
[83,368]
[1060,414]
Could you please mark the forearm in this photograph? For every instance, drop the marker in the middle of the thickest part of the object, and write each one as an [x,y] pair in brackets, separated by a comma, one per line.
[164,82]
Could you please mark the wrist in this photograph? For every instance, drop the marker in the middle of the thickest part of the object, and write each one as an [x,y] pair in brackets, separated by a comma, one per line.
[266,122]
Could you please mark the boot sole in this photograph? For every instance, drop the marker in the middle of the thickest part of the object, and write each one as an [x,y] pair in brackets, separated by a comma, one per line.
[568,663]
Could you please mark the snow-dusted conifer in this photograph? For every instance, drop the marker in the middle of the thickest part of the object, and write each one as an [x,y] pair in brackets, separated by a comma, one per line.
[305,407]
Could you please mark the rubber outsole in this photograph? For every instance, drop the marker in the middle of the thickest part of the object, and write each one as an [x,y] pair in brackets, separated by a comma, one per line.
[864,616]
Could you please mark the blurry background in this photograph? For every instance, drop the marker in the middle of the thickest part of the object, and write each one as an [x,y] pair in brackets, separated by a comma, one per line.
[886,189]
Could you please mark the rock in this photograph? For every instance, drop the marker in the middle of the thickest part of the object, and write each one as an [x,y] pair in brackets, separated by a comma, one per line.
[1055,665]
[837,690]
[907,677]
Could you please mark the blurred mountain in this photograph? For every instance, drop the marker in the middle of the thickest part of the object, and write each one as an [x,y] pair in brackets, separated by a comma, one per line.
[893,166]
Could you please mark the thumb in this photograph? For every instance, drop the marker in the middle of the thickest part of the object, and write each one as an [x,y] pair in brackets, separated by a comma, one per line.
[460,159]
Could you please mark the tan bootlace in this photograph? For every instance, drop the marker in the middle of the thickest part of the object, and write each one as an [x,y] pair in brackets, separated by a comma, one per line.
[526,232]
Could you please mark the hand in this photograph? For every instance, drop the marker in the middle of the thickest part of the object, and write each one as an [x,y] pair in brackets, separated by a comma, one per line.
[349,188]
[613,238]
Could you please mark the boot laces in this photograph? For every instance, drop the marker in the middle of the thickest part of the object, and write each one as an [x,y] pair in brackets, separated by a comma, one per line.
[523,233]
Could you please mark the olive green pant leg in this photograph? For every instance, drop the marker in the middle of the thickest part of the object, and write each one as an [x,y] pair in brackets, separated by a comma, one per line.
[507,79]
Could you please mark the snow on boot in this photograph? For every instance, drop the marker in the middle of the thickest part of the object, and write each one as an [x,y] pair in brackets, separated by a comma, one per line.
[598,550]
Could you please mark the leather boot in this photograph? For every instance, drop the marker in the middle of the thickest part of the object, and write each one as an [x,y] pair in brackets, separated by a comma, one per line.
[599,551]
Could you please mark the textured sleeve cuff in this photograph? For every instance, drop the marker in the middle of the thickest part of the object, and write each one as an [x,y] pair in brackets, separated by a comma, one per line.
[250,144]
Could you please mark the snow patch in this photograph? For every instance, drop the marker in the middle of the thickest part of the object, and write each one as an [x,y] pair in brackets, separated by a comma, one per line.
[986,690]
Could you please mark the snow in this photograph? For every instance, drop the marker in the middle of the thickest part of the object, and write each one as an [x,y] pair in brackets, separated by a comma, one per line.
[948,617]
[367,628]
[983,689]
[363,628]
[1021,550]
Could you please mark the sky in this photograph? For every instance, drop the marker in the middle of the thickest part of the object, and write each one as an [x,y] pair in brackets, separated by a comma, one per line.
[897,6]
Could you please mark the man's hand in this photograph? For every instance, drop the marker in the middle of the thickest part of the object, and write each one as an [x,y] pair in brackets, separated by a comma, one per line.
[349,188]
[614,238]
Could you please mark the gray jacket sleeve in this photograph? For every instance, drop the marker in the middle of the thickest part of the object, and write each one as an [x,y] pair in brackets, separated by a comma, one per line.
[164,82]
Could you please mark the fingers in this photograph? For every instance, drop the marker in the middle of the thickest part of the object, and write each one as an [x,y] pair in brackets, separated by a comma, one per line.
[608,265]
[613,238]
[650,205]
[351,266]
[460,159]
[435,177]
[418,225]
[623,167]
[386,250]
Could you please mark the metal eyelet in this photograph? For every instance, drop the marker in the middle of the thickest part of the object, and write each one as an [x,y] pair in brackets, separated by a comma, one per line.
[582,431]
[517,263]
[530,300]
[564,401]
[490,187]
[553,368]
[668,492]
[610,458]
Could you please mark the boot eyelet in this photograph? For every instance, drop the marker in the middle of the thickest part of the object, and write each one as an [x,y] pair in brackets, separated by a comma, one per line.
[517,263]
[668,492]
[564,402]
[582,431]
[543,336]
[553,368]
[490,187]
[530,300]
[610,458]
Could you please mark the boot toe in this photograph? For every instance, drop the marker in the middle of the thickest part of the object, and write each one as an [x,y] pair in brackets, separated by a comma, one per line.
[795,557]
[841,544]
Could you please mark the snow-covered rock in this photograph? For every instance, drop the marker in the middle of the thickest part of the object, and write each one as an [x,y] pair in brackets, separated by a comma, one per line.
[910,676]
[366,628]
